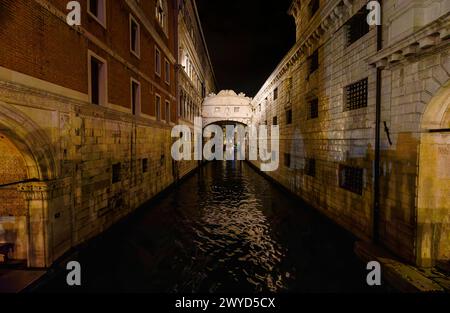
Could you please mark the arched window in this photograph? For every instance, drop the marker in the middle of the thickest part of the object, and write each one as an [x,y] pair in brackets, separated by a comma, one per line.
[161,13]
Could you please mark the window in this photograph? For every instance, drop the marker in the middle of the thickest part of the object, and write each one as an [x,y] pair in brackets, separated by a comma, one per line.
[158,107]
[287,160]
[313,108]
[158,62]
[356,95]
[97,80]
[351,179]
[237,109]
[167,72]
[275,120]
[275,94]
[97,10]
[314,62]
[310,167]
[135,34]
[259,107]
[313,7]
[203,90]
[167,111]
[289,117]
[116,168]
[144,165]
[357,26]
[135,97]
[161,14]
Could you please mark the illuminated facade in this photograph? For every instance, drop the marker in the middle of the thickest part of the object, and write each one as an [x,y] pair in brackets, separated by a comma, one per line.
[342,79]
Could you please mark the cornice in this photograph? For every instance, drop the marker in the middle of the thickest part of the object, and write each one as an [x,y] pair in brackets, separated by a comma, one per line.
[431,36]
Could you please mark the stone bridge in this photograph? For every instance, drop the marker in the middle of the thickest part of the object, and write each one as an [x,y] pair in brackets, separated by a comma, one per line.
[227,106]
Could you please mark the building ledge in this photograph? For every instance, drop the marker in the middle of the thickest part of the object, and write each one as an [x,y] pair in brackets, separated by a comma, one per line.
[401,276]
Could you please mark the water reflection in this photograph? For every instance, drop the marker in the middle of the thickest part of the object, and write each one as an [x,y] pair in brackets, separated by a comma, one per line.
[225,229]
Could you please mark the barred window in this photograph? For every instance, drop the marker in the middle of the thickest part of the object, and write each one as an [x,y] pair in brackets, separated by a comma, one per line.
[357,26]
[310,167]
[313,108]
[356,95]
[351,179]
[116,168]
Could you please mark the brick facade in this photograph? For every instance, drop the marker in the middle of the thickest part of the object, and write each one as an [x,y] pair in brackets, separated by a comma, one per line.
[84,166]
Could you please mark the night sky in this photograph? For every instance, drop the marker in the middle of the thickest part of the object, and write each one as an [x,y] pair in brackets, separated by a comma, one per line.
[246,40]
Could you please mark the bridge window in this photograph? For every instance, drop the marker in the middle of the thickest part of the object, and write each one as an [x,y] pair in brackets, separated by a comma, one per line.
[351,179]
[357,26]
[356,95]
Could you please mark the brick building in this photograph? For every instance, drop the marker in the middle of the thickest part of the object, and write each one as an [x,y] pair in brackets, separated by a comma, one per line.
[341,81]
[86,114]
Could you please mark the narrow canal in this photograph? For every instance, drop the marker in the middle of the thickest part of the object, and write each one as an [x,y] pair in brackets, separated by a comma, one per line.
[224,229]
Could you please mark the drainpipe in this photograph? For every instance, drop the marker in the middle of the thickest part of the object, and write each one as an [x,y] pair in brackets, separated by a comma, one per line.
[376,189]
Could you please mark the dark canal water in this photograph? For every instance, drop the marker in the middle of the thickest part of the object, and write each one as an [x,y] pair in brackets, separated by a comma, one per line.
[224,229]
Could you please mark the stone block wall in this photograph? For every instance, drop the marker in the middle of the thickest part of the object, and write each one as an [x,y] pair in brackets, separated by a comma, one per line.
[414,67]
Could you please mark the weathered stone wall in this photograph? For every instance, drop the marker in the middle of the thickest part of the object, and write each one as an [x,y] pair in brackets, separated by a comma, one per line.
[336,137]
[414,64]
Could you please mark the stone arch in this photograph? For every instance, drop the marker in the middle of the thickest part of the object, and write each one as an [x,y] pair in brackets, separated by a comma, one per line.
[32,150]
[433,207]
[31,140]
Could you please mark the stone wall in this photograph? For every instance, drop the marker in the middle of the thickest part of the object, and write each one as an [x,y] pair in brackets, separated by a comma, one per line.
[414,64]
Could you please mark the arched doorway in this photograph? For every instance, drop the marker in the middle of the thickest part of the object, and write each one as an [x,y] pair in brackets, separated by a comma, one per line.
[27,174]
[433,214]
[13,208]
